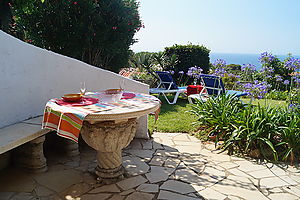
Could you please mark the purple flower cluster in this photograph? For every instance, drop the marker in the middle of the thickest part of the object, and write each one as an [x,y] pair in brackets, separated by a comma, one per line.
[278,78]
[266,58]
[297,79]
[194,72]
[248,68]
[292,63]
[219,63]
[220,72]
[257,89]
[294,106]
[286,82]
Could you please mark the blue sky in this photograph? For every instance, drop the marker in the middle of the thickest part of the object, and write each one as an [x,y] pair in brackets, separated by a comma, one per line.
[223,26]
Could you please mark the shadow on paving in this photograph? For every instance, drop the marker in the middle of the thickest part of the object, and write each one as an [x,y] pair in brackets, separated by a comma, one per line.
[168,166]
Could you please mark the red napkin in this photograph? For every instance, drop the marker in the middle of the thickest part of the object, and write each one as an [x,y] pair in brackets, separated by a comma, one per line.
[84,102]
[128,95]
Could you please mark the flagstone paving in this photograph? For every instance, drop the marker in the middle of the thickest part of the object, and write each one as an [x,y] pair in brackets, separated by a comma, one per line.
[169,166]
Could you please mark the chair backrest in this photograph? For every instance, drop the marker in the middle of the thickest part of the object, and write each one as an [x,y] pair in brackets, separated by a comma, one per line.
[166,80]
[213,84]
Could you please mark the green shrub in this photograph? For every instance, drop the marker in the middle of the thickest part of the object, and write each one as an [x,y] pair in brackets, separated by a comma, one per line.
[217,114]
[187,56]
[96,32]
[255,128]
[289,135]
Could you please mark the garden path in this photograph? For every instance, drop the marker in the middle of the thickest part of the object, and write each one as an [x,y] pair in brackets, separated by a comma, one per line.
[169,166]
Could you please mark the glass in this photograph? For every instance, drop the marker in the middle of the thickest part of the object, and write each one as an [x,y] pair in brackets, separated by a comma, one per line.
[82,88]
[122,84]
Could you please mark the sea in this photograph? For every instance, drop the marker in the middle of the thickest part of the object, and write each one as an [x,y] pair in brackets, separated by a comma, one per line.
[235,58]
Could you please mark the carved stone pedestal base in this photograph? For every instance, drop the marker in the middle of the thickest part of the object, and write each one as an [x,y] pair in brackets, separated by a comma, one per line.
[109,176]
[30,156]
[109,138]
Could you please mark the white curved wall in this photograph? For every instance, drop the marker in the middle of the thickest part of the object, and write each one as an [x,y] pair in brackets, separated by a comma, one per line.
[29,76]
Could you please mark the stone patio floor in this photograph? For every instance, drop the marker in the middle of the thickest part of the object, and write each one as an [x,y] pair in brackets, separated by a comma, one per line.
[169,166]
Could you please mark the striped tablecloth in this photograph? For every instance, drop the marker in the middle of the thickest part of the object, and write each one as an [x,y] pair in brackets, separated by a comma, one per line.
[68,120]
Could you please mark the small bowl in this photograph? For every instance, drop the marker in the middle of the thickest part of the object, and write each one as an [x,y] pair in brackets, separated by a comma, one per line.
[72,97]
[111,95]
[113,91]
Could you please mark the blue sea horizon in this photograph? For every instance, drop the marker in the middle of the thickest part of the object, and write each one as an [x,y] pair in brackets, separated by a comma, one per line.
[236,58]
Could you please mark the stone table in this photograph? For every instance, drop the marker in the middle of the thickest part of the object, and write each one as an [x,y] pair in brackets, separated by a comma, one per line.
[110,131]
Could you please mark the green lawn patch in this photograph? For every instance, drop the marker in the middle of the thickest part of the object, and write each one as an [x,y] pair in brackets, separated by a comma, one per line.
[266,102]
[173,118]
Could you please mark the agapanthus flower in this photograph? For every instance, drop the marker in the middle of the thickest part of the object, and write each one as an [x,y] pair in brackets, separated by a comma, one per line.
[292,63]
[267,70]
[248,67]
[297,80]
[257,89]
[219,63]
[194,72]
[269,76]
[278,78]
[181,72]
[286,82]
[266,58]
[220,72]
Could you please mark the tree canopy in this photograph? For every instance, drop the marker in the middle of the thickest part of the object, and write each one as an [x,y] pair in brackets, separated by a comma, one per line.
[97,32]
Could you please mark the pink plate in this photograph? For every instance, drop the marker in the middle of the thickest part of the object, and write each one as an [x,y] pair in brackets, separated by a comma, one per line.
[84,102]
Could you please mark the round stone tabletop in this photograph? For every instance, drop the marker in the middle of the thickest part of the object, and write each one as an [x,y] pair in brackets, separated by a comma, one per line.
[136,106]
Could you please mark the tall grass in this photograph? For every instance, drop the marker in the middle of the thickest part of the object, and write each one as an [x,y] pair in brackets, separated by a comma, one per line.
[272,131]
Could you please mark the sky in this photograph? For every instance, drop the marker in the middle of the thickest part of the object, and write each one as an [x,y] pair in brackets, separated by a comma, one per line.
[223,26]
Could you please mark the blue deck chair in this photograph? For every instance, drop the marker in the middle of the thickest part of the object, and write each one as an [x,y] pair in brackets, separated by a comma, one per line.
[167,85]
[213,85]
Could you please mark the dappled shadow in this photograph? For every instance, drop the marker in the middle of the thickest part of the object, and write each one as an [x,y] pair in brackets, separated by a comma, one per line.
[174,163]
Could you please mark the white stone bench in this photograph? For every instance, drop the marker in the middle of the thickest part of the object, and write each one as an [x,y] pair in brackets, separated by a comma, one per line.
[29,138]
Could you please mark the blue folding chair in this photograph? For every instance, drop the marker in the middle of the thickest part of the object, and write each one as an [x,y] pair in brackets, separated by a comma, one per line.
[167,85]
[213,85]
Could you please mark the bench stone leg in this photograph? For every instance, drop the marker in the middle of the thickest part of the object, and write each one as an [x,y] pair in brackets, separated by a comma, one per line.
[5,160]
[71,147]
[30,156]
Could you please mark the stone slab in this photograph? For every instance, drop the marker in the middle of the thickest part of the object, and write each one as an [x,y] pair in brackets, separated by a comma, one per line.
[106,188]
[117,197]
[171,196]
[140,195]
[134,165]
[18,134]
[132,182]
[237,188]
[281,196]
[35,120]
[157,160]
[211,194]
[59,180]
[95,196]
[158,174]
[277,181]
[177,186]
[141,153]
[150,188]
[261,173]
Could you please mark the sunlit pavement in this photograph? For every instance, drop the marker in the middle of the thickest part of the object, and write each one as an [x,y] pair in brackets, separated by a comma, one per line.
[169,166]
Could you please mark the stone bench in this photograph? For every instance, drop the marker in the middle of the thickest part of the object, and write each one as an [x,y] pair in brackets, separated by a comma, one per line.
[26,138]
